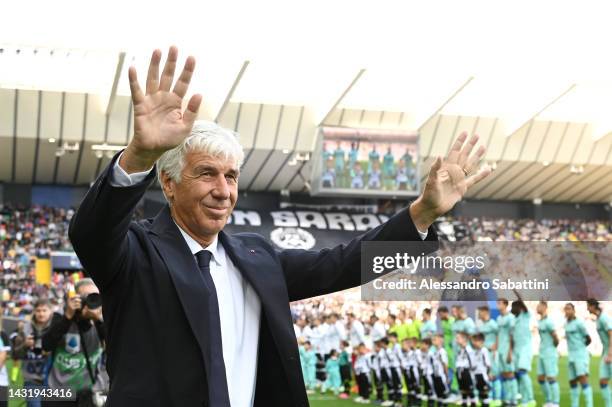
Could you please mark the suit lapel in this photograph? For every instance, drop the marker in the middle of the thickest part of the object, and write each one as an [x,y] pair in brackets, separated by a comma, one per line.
[255,266]
[186,277]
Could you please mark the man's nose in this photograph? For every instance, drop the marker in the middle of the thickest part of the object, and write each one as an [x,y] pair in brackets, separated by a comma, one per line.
[221,189]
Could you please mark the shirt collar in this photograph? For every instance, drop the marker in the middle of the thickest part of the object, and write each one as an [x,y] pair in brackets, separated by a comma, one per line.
[218,254]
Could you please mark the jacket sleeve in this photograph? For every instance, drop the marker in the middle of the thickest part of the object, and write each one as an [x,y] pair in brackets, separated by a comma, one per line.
[99,228]
[310,273]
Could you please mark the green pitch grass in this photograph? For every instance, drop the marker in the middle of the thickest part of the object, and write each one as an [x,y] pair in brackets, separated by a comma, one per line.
[329,400]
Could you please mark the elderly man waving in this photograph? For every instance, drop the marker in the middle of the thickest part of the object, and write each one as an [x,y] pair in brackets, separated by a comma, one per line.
[198,317]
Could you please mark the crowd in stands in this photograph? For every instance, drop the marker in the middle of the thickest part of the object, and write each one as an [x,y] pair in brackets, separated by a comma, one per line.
[26,234]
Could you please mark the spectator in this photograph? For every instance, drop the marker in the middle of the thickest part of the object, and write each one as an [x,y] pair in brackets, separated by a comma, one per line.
[27,347]
[76,340]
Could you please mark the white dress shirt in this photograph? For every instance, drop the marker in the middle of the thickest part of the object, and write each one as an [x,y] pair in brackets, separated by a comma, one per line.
[239,310]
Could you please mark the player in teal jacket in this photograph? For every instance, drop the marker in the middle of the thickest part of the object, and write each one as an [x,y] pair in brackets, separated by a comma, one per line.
[522,351]
[578,357]
[310,366]
[332,368]
[548,357]
[505,323]
[604,330]
[428,328]
[488,327]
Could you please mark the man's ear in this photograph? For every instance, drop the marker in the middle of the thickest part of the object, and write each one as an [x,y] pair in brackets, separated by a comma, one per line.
[167,185]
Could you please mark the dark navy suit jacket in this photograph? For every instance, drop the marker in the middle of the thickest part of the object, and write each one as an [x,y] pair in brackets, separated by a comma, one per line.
[155,308]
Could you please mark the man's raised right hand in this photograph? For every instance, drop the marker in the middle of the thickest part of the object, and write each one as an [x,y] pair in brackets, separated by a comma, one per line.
[159,123]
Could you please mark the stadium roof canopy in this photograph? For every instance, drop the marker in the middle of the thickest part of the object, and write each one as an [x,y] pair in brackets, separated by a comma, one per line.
[534,79]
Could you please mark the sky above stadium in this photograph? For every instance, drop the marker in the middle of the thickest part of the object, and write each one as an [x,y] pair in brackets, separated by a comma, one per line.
[308,52]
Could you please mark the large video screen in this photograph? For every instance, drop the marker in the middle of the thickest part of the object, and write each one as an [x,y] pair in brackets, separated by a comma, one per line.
[366,163]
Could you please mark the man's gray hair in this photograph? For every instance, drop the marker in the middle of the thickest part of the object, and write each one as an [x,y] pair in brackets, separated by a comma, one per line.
[83,282]
[205,136]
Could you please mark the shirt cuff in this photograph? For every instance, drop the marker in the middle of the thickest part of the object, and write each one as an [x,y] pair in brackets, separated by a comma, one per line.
[120,178]
[423,234]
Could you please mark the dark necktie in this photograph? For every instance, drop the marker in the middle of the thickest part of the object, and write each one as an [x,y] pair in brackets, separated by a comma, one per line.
[217,382]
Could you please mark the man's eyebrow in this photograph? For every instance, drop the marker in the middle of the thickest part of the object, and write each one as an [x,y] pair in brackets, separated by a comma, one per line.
[212,168]
[205,167]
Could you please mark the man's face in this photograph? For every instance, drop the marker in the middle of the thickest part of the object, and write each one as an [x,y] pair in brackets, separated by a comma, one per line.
[569,312]
[204,199]
[42,314]
[455,312]
[483,315]
[461,341]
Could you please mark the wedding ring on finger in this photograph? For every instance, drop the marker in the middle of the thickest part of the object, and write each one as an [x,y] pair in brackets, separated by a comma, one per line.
[466,172]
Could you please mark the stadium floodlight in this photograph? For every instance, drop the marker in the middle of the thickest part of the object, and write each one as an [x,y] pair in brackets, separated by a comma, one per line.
[107,147]
[537,201]
[576,169]
[71,147]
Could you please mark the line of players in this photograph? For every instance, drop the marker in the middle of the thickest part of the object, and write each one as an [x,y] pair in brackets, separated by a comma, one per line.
[489,361]
[424,367]
[340,172]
